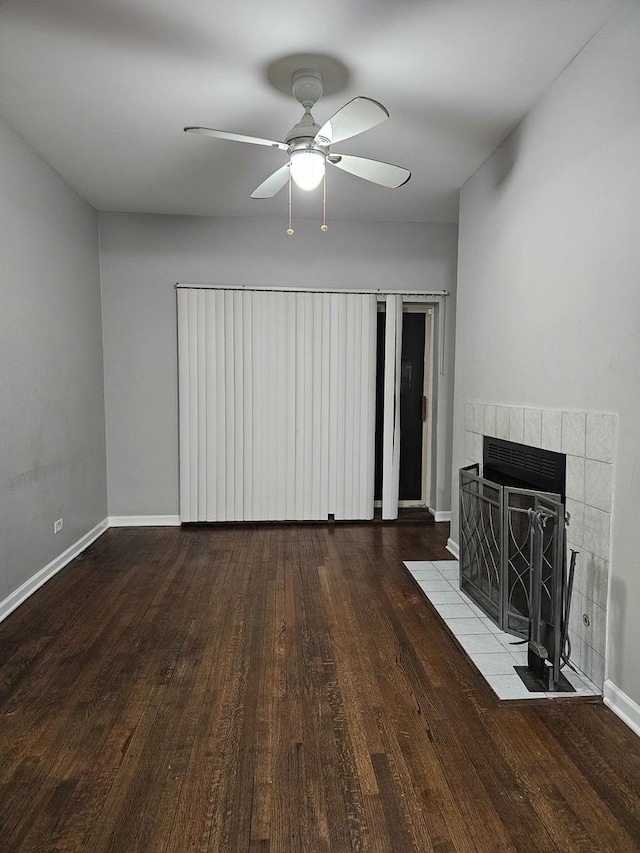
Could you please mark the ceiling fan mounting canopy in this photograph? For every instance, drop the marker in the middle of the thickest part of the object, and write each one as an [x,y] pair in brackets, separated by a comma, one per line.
[307,87]
[308,144]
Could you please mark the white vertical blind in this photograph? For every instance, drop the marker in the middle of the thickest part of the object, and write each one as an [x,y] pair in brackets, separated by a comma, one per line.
[353,387]
[277,404]
[391,408]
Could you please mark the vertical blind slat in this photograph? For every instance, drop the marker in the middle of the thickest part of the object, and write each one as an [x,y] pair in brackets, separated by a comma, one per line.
[391,417]
[193,404]
[202,407]
[183,404]
[248,410]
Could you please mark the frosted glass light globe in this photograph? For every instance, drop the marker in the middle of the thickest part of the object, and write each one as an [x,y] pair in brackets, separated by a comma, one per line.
[307,168]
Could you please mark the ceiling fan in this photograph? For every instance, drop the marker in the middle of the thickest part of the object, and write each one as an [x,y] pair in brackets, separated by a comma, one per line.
[309,145]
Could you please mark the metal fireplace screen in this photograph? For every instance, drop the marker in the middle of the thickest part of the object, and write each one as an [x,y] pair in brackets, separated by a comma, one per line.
[497,545]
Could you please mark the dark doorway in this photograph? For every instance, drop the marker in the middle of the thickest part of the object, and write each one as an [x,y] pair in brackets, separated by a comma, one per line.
[411,405]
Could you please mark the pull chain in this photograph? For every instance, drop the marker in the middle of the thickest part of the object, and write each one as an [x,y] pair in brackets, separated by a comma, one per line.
[289,229]
[324,227]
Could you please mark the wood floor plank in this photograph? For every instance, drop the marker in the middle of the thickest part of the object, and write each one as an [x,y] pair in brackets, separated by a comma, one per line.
[281,688]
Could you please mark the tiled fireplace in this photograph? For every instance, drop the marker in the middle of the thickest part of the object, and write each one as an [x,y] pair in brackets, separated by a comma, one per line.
[587,439]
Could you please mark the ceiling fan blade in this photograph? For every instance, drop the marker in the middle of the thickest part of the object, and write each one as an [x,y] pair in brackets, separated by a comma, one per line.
[273,184]
[355,117]
[237,137]
[375,171]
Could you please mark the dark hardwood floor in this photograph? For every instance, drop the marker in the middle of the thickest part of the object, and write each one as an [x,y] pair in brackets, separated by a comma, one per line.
[283,688]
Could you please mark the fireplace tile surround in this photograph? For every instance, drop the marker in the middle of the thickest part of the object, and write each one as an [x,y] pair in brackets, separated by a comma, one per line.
[588,440]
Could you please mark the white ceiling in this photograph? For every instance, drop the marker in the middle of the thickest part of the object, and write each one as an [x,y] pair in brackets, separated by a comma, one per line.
[102,89]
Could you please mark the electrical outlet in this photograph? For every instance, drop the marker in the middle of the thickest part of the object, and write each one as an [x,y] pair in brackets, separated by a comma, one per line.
[57,526]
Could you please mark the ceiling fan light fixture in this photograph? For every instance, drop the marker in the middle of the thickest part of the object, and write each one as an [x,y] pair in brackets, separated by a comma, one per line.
[307,168]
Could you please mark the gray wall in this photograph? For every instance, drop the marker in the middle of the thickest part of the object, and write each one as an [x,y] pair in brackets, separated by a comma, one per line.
[549,283]
[142,258]
[52,441]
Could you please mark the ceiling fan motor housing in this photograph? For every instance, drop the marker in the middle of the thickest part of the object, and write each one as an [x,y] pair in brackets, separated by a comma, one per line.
[302,135]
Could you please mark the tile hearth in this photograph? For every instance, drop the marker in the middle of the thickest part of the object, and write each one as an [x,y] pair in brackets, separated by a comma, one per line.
[492,651]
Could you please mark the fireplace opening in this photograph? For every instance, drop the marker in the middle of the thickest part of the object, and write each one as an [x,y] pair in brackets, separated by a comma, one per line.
[524,467]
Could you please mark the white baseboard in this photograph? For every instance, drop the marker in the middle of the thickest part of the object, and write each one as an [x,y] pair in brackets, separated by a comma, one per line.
[622,705]
[41,577]
[452,548]
[440,515]
[144,521]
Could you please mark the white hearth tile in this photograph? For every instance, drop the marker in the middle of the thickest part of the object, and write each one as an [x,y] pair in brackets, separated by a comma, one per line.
[427,575]
[597,484]
[446,564]
[516,424]
[600,436]
[502,422]
[572,546]
[478,447]
[413,565]
[467,599]
[510,687]
[599,626]
[481,645]
[454,611]
[474,607]
[473,446]
[478,418]
[533,427]
[490,421]
[468,416]
[509,641]
[594,578]
[574,678]
[576,650]
[593,665]
[576,521]
[575,478]
[494,664]
[586,631]
[580,682]
[460,627]
[594,634]
[468,448]
[520,658]
[448,596]
[573,433]
[438,584]
[597,532]
[452,574]
[490,624]
[575,616]
[551,430]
